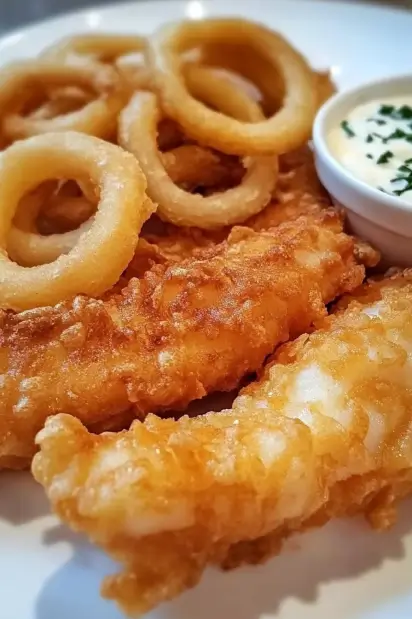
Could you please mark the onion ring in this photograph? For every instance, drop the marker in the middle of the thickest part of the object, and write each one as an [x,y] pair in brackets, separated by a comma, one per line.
[287,129]
[104,251]
[98,49]
[18,84]
[218,91]
[137,133]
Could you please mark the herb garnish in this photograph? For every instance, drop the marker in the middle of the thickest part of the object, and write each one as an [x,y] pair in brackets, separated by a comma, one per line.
[398,134]
[385,157]
[408,187]
[369,138]
[378,121]
[347,128]
[369,156]
[386,110]
[404,112]
[405,177]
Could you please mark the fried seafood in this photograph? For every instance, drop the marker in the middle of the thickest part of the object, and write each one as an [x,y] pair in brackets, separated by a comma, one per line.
[173,336]
[326,431]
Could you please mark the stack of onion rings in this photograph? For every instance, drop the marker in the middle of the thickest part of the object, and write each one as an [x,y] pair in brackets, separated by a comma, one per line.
[222,98]
[101,253]
[137,133]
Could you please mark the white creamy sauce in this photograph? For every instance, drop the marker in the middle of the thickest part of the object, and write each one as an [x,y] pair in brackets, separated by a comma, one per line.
[374,142]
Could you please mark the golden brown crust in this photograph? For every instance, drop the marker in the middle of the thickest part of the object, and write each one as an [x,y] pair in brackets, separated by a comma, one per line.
[175,335]
[327,431]
[298,192]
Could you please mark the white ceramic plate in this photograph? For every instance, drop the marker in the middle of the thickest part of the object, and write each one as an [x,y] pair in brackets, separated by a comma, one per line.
[344,570]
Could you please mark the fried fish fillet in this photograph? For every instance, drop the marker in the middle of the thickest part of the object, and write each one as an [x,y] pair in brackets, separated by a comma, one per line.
[326,431]
[173,336]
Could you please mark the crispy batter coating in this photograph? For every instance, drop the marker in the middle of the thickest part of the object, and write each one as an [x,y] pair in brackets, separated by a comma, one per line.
[298,192]
[326,431]
[173,336]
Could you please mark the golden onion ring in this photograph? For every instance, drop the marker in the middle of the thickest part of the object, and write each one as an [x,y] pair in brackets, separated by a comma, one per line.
[104,251]
[19,83]
[259,72]
[285,130]
[137,133]
[222,93]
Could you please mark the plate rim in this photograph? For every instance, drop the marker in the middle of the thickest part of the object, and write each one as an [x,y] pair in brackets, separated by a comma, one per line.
[14,34]
[36,27]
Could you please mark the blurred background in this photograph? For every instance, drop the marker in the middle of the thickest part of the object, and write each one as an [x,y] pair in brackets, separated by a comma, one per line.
[15,13]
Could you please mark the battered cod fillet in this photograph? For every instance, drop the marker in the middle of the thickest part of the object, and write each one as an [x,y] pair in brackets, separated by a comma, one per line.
[326,431]
[173,336]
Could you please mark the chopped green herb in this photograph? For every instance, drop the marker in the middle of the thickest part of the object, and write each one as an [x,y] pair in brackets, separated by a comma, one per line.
[347,128]
[385,157]
[369,139]
[404,112]
[405,169]
[398,134]
[369,156]
[378,121]
[408,161]
[386,110]
[399,192]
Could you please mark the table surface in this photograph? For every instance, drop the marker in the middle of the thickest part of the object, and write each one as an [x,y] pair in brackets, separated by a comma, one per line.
[15,13]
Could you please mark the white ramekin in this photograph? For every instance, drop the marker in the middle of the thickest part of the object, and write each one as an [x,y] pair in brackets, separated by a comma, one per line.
[383,220]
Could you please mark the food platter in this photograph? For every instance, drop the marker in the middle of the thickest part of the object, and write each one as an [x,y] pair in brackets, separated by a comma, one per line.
[344,569]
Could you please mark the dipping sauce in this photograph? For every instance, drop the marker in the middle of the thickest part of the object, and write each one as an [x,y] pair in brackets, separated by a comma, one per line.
[374,142]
